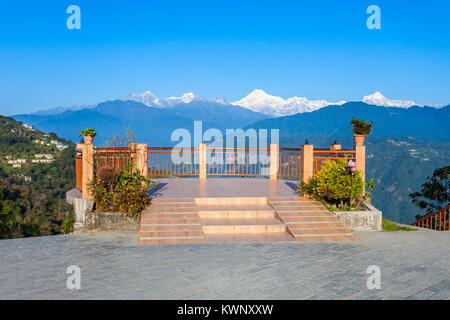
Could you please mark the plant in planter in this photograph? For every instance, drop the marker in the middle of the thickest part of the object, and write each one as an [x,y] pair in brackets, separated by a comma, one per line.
[337,184]
[361,128]
[88,134]
[126,192]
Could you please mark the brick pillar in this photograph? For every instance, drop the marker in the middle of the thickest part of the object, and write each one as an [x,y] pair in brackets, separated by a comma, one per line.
[202,161]
[360,156]
[307,168]
[335,146]
[87,164]
[274,160]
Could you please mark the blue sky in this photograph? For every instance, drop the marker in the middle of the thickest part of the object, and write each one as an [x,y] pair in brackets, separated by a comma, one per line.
[317,49]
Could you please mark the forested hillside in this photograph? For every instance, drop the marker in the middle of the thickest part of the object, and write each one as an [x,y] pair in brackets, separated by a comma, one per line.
[35,172]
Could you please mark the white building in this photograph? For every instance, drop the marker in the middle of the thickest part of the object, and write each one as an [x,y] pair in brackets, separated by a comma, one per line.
[42,161]
[17,161]
[43,156]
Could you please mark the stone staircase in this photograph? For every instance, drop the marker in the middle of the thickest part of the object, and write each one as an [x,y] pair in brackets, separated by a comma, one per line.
[171,221]
[309,220]
[240,219]
[253,219]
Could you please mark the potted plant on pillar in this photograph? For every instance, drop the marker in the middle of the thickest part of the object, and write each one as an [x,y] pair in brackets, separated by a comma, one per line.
[361,128]
[88,134]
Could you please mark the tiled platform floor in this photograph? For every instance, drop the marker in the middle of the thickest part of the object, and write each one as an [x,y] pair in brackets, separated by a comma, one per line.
[223,187]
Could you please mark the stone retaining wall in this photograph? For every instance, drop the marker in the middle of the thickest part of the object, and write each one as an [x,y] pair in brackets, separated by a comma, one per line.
[367,220]
[110,221]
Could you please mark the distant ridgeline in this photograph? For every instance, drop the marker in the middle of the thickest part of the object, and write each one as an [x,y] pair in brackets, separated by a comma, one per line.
[36,170]
[406,145]
[155,125]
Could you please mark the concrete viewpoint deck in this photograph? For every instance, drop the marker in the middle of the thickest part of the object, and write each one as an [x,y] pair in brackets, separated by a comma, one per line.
[223,187]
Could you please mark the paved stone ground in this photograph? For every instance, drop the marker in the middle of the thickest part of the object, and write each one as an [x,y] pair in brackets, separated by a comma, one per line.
[414,265]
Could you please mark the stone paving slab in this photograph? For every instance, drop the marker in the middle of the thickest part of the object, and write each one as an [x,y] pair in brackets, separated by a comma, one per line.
[414,265]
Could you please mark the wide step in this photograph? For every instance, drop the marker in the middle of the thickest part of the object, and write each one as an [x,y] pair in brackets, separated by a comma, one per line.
[235,211]
[242,225]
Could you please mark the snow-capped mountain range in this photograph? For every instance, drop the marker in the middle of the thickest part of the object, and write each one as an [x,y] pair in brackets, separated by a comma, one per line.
[379,100]
[149,99]
[260,101]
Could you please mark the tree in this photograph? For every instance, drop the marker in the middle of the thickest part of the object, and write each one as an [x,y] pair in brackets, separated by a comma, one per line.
[435,193]
[7,217]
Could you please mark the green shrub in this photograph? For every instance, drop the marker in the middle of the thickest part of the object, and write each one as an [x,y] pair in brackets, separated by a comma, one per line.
[67,224]
[127,194]
[338,182]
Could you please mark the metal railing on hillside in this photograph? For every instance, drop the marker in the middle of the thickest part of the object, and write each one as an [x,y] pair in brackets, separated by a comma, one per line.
[437,221]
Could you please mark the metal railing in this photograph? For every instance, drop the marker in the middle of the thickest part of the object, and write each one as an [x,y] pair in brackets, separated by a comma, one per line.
[115,158]
[237,161]
[320,156]
[438,221]
[290,163]
[166,161]
[169,161]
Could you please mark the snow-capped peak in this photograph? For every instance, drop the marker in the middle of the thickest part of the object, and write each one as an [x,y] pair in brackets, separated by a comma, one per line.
[147,98]
[260,101]
[185,98]
[379,100]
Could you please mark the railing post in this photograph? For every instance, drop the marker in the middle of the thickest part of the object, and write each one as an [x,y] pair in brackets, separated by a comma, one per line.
[274,160]
[142,158]
[307,163]
[360,158]
[139,156]
[87,164]
[202,161]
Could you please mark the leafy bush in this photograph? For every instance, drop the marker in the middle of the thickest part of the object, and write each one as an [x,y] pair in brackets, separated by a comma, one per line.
[67,225]
[361,126]
[127,194]
[338,183]
[108,175]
